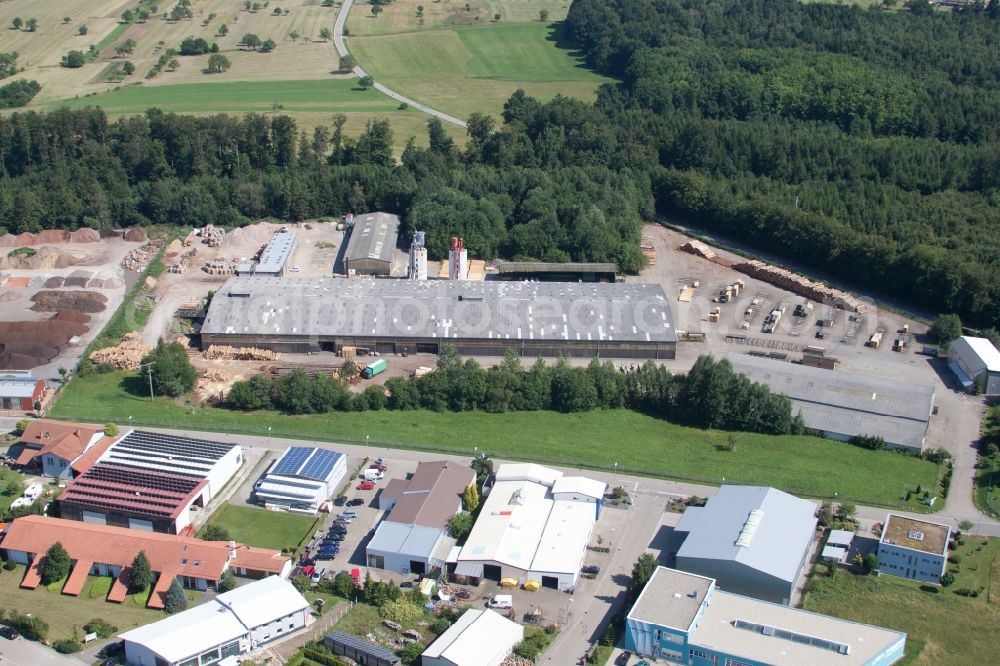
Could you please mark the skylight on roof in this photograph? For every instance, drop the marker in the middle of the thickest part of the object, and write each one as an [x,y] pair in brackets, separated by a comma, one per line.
[749,528]
[916,535]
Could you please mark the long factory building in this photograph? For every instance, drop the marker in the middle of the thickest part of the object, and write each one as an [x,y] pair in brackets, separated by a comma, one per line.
[307,314]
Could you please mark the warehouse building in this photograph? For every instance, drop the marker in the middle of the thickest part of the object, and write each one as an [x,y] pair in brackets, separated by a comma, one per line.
[229,625]
[273,259]
[100,550]
[753,540]
[525,533]
[684,618]
[302,479]
[541,271]
[840,406]
[914,549]
[976,363]
[622,320]
[413,538]
[372,244]
[150,481]
[478,638]
[19,392]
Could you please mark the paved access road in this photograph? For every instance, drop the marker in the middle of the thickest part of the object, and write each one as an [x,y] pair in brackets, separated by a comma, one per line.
[338,42]
[21,652]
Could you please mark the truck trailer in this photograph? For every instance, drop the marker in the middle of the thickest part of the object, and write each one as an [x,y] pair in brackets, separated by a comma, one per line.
[374,368]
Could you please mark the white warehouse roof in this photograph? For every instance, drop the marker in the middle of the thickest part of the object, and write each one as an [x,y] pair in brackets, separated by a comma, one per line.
[478,638]
[983,349]
[221,620]
[579,485]
[522,526]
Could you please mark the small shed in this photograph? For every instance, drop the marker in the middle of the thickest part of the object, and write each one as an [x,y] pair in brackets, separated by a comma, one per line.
[838,545]
[359,650]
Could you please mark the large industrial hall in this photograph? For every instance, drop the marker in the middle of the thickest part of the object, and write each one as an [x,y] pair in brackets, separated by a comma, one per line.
[479,318]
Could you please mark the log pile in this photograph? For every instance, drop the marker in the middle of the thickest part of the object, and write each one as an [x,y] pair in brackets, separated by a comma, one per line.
[126,355]
[801,285]
[220,267]
[227,353]
[212,236]
[138,258]
[698,248]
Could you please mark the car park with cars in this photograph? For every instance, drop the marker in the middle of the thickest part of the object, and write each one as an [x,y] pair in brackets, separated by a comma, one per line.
[366,485]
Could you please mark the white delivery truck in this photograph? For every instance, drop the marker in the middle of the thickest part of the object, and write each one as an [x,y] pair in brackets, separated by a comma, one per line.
[373,475]
[501,601]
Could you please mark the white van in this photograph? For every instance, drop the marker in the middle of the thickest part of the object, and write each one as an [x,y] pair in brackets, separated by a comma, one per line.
[501,601]
[373,475]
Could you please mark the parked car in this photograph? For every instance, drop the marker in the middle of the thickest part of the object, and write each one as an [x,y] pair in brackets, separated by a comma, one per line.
[366,485]
[328,554]
[306,561]
[382,467]
[592,569]
[335,537]
[357,501]
[350,513]
[318,575]
[8,633]
[340,501]
[338,528]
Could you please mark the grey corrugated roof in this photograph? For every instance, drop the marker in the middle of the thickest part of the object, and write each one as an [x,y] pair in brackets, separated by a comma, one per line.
[373,237]
[846,403]
[274,256]
[304,306]
[554,267]
[17,388]
[412,540]
[776,546]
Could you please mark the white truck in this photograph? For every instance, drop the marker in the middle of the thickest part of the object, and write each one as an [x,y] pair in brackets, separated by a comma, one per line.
[373,475]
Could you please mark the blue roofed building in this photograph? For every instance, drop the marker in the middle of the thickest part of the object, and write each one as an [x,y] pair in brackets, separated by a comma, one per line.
[302,479]
[684,618]
[753,540]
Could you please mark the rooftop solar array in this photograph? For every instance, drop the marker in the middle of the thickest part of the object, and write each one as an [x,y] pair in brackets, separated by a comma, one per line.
[173,453]
[307,462]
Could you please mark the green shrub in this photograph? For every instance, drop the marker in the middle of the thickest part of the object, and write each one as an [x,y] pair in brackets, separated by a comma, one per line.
[10,565]
[401,611]
[322,657]
[100,627]
[67,646]
[32,628]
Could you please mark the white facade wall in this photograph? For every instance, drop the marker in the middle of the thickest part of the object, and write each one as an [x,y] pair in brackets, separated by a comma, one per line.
[908,563]
[222,471]
[278,628]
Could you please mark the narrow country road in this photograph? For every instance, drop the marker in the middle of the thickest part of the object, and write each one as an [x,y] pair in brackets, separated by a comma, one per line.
[338,42]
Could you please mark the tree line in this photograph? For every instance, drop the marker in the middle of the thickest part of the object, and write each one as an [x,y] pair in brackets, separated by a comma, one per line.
[861,142]
[16,93]
[711,395]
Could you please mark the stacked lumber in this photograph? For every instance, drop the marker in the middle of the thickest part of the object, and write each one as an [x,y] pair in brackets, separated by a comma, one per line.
[220,267]
[126,355]
[227,353]
[698,248]
[801,285]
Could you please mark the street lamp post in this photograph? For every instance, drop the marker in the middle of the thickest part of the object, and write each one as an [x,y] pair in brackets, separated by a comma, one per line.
[615,483]
[268,436]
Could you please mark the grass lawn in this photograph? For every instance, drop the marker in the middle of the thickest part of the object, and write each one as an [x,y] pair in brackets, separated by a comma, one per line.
[639,444]
[942,627]
[259,527]
[364,619]
[468,69]
[63,612]
[6,476]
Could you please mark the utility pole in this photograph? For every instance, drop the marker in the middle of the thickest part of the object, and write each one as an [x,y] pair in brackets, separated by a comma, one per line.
[149,373]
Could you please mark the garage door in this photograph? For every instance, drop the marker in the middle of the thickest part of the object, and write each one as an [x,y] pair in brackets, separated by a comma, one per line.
[491,572]
[95,517]
[139,524]
[551,582]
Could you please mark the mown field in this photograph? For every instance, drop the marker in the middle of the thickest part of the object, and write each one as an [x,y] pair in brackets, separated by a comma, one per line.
[468,69]
[311,103]
[259,527]
[596,440]
[948,628]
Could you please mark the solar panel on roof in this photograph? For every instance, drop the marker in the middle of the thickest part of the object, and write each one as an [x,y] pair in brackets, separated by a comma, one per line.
[292,461]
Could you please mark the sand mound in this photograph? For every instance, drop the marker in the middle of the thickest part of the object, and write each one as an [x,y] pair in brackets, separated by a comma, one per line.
[136,235]
[54,301]
[174,248]
[44,259]
[85,235]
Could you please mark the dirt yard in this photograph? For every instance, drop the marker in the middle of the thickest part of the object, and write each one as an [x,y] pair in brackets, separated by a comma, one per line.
[50,313]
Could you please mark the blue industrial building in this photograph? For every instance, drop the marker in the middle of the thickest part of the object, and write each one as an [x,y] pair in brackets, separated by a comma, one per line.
[682,618]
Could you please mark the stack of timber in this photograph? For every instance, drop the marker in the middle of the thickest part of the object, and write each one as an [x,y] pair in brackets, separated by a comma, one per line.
[227,353]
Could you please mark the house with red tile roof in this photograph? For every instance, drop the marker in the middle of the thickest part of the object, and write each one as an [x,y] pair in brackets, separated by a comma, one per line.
[52,447]
[102,550]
